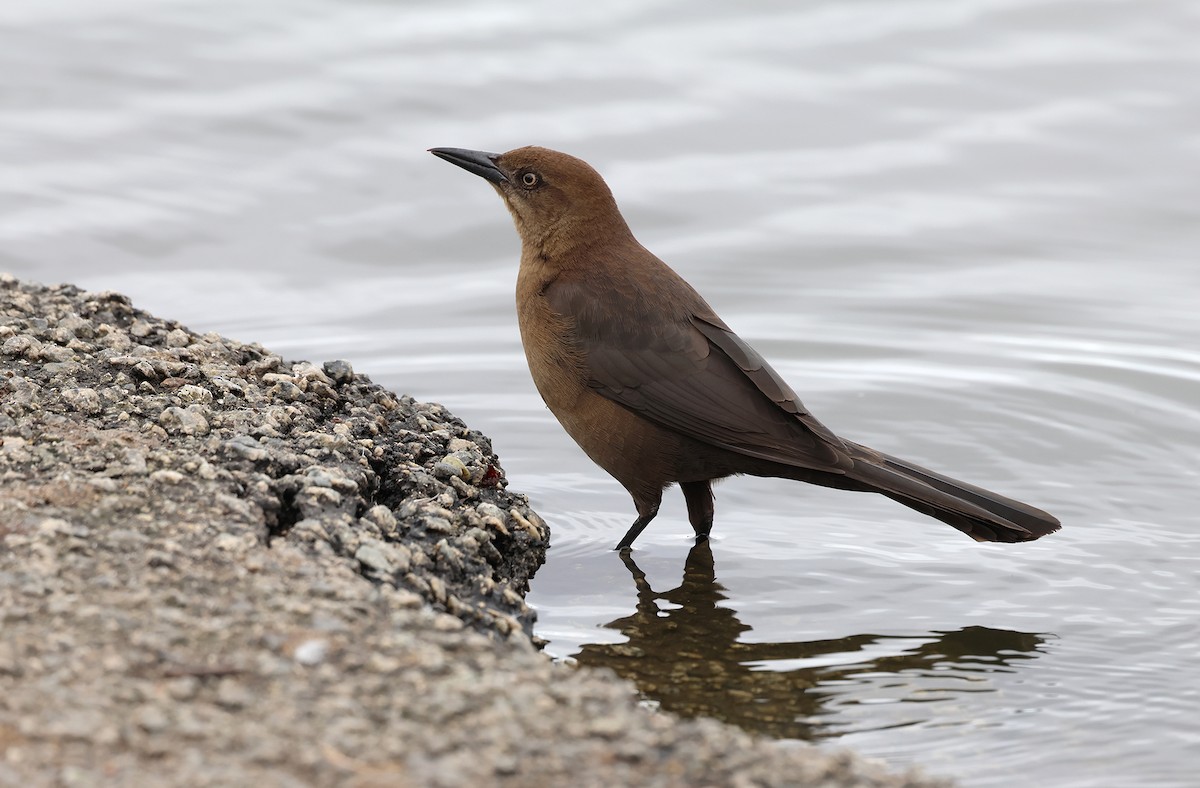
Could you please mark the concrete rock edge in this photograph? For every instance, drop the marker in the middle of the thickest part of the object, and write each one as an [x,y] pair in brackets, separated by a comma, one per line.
[220,567]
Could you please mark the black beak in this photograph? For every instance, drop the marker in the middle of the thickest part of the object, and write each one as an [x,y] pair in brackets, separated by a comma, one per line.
[476,161]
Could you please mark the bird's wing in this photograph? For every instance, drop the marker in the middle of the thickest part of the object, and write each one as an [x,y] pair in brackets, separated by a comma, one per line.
[693,375]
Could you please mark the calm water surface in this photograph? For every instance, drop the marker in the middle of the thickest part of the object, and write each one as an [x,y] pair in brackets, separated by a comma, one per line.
[966,232]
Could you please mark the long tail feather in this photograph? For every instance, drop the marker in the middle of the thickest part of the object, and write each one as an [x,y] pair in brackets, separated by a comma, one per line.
[983,515]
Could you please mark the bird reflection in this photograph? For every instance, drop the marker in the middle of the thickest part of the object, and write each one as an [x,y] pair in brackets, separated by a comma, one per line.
[686,656]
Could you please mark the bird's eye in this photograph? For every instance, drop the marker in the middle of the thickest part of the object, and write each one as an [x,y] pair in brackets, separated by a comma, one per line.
[530,180]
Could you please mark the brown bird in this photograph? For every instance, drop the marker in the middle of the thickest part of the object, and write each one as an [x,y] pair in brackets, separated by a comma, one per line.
[653,385]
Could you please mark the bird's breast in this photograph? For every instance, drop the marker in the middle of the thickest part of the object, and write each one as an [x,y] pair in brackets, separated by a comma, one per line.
[557,367]
[631,449]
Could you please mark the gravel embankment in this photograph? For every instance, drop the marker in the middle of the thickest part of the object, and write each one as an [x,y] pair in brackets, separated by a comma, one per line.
[221,568]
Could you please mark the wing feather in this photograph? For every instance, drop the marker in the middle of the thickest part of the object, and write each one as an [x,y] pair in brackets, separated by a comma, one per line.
[685,370]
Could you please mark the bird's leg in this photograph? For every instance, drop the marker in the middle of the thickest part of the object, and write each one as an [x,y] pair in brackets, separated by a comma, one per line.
[647,509]
[699,498]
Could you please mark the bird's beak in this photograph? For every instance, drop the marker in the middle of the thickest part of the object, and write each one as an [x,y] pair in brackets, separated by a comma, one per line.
[476,161]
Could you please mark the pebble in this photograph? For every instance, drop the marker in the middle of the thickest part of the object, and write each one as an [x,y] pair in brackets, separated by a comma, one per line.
[372,557]
[84,400]
[233,695]
[449,466]
[311,651]
[191,394]
[167,476]
[184,421]
[341,372]
[151,719]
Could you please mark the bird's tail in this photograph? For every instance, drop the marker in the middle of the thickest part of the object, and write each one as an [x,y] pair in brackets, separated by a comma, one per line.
[981,514]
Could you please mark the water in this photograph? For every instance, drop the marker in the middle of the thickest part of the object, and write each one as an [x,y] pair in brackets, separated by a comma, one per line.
[966,232]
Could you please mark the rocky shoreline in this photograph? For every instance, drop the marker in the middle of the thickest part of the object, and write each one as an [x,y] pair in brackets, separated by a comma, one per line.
[221,568]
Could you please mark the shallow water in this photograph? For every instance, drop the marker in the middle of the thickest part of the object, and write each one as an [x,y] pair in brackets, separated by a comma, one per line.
[966,232]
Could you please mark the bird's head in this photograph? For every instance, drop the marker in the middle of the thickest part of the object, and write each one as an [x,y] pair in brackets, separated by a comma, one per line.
[557,201]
